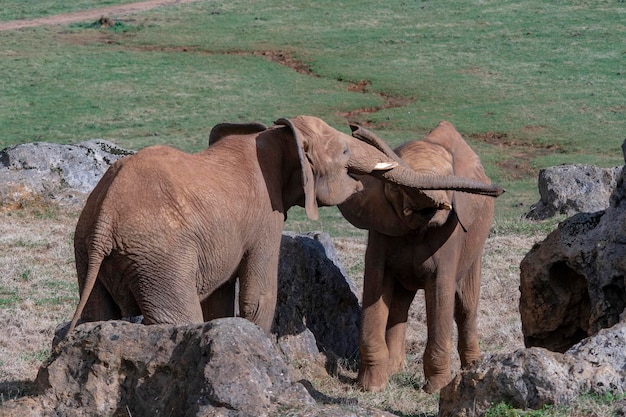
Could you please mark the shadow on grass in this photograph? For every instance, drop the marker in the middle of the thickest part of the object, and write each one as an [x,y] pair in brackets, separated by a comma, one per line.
[12,390]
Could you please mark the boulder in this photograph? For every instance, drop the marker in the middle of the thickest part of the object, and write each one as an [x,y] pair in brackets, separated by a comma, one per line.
[535,377]
[571,189]
[51,172]
[226,367]
[317,308]
[574,282]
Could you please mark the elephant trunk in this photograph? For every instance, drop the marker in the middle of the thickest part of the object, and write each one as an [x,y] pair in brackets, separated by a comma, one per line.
[408,178]
[403,175]
[371,138]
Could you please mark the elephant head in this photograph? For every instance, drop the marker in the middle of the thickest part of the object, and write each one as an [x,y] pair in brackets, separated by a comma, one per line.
[396,209]
[334,165]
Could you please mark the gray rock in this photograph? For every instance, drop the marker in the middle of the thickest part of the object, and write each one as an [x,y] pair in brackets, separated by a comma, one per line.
[226,367]
[573,283]
[534,377]
[571,189]
[315,298]
[51,172]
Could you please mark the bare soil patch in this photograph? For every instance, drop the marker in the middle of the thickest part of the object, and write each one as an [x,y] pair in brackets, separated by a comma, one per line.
[92,14]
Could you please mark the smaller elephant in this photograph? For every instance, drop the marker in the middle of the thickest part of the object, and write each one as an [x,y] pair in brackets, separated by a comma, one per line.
[431,240]
[165,234]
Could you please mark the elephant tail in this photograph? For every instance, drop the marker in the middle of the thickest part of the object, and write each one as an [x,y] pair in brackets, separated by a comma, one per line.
[94,261]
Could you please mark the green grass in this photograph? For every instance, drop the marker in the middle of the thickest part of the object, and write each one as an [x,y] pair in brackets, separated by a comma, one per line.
[599,405]
[9,297]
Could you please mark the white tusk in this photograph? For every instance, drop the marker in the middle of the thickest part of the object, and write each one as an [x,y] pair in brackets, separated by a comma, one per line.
[445,206]
[383,166]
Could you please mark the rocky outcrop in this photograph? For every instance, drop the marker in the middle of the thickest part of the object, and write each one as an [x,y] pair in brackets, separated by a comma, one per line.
[226,367]
[574,282]
[532,378]
[572,189]
[50,172]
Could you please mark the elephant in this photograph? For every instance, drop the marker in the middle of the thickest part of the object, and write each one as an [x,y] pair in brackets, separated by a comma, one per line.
[165,234]
[430,240]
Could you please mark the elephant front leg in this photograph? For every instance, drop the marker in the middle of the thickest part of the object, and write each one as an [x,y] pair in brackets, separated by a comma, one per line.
[258,286]
[373,370]
[440,296]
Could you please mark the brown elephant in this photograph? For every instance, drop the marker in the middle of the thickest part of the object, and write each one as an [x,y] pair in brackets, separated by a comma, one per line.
[431,240]
[165,234]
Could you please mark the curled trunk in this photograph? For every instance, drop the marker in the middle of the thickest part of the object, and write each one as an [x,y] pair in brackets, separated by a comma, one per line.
[403,175]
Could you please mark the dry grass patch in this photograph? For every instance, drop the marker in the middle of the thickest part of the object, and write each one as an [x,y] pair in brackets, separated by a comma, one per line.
[37,287]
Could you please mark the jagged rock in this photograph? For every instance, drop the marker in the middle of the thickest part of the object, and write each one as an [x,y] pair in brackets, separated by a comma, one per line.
[574,282]
[315,298]
[571,189]
[51,172]
[226,367]
[534,377]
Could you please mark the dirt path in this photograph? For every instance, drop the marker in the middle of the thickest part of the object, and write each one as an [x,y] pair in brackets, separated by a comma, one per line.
[92,14]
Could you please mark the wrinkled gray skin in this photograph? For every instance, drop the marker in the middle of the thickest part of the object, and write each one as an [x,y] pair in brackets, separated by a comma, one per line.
[429,240]
[165,234]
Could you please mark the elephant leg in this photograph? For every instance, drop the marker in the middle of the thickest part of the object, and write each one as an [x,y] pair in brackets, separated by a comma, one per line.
[166,291]
[258,286]
[396,327]
[377,293]
[439,292]
[466,315]
[221,303]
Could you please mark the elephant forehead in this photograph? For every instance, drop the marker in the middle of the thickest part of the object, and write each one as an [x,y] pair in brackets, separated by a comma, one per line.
[427,157]
[329,152]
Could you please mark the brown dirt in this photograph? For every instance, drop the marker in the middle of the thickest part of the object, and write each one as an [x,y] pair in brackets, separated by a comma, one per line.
[92,14]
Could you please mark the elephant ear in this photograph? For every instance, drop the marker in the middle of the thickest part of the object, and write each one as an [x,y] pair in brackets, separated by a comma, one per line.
[222,130]
[308,179]
[466,164]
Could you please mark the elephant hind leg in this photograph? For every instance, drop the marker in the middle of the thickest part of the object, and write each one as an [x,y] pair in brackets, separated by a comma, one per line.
[466,314]
[166,293]
[396,327]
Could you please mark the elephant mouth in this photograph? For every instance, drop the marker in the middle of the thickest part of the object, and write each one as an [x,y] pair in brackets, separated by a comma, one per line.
[427,212]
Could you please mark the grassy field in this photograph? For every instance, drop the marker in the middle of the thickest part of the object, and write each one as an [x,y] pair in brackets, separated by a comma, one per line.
[529,84]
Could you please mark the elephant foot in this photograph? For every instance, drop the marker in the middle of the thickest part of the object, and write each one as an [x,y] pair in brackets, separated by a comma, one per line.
[395,366]
[435,383]
[372,378]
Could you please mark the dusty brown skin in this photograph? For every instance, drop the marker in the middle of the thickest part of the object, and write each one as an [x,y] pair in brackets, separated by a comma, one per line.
[429,240]
[165,234]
